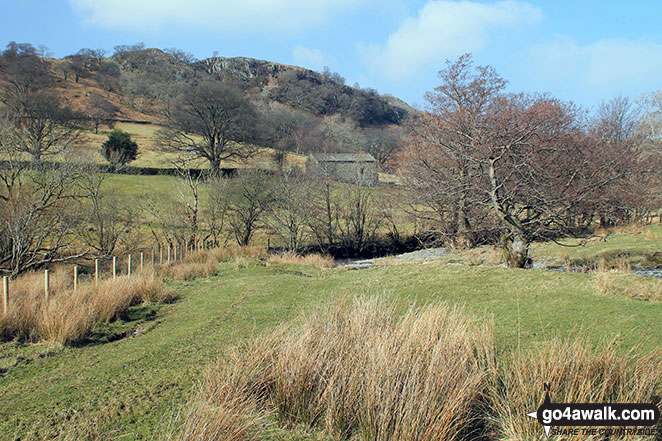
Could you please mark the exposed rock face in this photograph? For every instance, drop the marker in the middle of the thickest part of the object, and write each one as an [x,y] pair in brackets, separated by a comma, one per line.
[244,68]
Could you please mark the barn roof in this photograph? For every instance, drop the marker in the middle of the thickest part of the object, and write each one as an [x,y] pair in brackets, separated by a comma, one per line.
[344,157]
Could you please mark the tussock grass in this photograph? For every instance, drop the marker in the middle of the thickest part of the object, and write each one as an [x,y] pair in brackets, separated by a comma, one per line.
[649,290]
[200,265]
[317,260]
[359,370]
[231,253]
[577,373]
[222,254]
[204,263]
[482,256]
[613,278]
[652,235]
[70,315]
[353,369]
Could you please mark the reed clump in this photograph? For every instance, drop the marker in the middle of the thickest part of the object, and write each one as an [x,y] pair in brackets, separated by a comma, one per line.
[356,368]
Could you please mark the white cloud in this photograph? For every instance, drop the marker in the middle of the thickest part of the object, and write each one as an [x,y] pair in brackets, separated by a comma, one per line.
[221,15]
[444,29]
[607,62]
[311,58]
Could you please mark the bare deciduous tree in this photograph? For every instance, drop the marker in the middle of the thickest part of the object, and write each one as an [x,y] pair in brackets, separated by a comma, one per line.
[100,111]
[218,202]
[253,198]
[212,120]
[188,188]
[109,224]
[293,197]
[358,216]
[527,158]
[47,125]
[37,215]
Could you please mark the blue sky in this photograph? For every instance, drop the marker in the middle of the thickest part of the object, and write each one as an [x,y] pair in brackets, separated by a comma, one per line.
[583,51]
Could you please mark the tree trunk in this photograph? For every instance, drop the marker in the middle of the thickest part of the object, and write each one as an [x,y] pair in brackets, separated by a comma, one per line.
[515,248]
[215,167]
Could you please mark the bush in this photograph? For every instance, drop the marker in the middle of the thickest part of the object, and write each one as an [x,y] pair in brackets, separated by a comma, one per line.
[119,149]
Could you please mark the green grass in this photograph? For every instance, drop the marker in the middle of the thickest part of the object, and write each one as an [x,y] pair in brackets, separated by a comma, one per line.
[162,187]
[133,386]
[152,154]
[636,246]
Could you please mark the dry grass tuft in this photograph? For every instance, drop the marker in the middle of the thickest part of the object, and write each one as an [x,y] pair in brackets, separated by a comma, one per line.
[234,419]
[604,283]
[652,235]
[635,287]
[614,278]
[649,290]
[191,269]
[483,256]
[353,369]
[576,373]
[317,260]
[633,228]
[204,263]
[229,254]
[69,315]
[608,262]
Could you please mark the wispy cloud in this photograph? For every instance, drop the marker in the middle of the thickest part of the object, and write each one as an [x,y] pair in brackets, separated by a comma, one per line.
[246,16]
[604,63]
[444,29]
[311,58]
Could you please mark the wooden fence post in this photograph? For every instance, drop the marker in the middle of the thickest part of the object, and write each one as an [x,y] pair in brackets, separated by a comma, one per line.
[46,284]
[175,253]
[153,257]
[160,255]
[142,258]
[75,277]
[128,270]
[96,271]
[169,247]
[114,267]
[5,294]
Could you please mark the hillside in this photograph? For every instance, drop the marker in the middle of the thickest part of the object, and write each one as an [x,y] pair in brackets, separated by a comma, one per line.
[300,111]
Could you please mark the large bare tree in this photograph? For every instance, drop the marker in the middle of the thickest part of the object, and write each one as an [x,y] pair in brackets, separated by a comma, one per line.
[38,211]
[212,120]
[47,125]
[527,159]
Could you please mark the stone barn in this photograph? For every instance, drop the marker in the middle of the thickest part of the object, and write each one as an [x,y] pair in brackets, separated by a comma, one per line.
[346,167]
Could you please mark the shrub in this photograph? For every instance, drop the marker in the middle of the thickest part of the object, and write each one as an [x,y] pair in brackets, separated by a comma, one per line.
[119,149]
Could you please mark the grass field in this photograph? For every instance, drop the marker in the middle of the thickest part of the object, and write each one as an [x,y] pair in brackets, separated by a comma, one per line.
[151,154]
[636,244]
[132,388]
